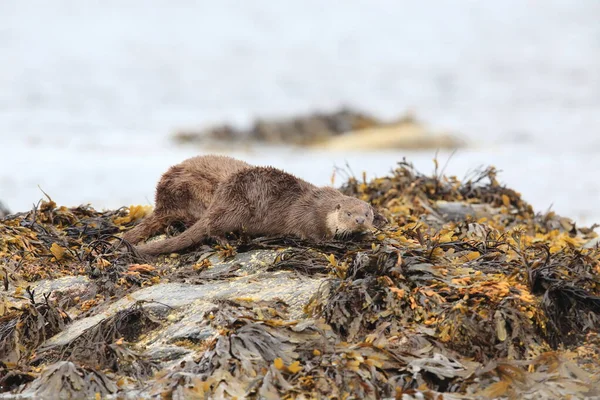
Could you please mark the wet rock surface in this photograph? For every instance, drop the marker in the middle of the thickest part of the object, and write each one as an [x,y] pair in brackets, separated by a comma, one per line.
[466,292]
[289,287]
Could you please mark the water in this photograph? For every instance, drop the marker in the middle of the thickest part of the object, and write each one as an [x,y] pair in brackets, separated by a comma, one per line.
[91,91]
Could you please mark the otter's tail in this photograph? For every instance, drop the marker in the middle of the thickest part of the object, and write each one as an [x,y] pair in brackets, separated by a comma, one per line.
[193,235]
[149,225]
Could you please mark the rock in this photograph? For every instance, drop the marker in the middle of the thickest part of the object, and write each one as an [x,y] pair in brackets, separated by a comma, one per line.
[442,212]
[189,302]
[67,287]
[455,211]
[241,265]
[68,292]
[181,310]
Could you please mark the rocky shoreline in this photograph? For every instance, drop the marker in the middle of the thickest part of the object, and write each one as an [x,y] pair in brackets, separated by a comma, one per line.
[466,293]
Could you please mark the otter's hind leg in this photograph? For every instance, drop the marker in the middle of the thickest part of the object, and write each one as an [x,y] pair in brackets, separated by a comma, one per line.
[192,236]
[146,228]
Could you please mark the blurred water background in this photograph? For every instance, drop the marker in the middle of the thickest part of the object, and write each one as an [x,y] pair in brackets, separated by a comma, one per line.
[90,91]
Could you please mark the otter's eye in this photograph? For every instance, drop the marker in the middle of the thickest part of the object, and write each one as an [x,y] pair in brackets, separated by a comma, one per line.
[349,213]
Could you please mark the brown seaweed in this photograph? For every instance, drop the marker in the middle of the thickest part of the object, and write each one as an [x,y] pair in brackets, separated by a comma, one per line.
[466,292]
[106,345]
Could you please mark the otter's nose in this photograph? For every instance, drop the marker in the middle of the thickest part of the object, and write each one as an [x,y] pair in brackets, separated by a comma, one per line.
[360,220]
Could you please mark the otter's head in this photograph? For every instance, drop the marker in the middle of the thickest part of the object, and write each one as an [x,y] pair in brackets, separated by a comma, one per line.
[350,215]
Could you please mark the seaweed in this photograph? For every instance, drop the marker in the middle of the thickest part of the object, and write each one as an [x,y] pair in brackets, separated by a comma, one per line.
[66,380]
[105,345]
[67,239]
[25,328]
[462,291]
[12,379]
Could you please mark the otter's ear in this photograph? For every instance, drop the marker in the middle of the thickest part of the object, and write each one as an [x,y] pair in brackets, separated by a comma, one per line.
[338,206]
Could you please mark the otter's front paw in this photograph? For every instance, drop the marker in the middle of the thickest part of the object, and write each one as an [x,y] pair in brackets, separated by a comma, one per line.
[220,240]
[138,252]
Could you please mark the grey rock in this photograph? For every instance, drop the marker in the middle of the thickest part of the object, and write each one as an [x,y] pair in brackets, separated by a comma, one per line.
[443,212]
[66,291]
[167,353]
[454,211]
[241,265]
[188,303]
[68,286]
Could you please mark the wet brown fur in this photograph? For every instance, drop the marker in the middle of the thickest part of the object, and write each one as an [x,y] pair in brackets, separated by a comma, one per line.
[184,193]
[267,201]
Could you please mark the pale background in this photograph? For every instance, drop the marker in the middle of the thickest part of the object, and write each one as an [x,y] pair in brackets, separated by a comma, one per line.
[90,91]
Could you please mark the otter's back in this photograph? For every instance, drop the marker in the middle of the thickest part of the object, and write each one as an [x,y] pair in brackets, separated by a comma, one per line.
[266,191]
[193,182]
[213,167]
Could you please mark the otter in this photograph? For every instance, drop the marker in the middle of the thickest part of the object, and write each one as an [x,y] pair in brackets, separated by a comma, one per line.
[265,201]
[184,193]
